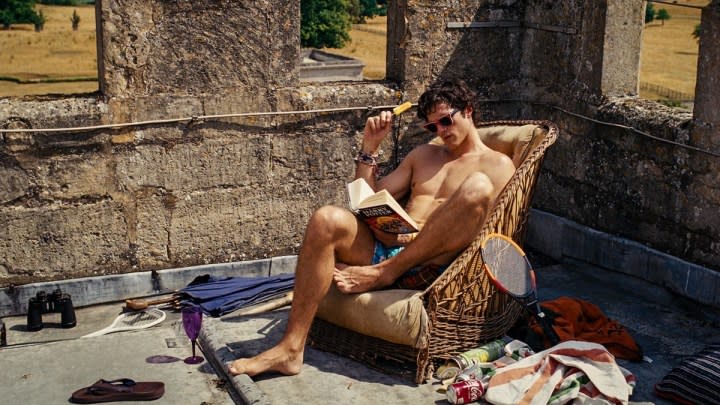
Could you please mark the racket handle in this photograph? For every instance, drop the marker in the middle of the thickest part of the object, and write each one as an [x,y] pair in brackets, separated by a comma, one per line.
[139,305]
[547,328]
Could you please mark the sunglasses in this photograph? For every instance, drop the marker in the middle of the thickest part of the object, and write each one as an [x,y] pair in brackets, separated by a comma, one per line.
[445,121]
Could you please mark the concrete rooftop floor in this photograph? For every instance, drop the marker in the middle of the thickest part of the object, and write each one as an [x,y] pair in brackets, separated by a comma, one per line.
[45,367]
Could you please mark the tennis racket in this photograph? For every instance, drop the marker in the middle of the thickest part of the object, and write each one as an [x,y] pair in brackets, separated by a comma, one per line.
[132,321]
[511,272]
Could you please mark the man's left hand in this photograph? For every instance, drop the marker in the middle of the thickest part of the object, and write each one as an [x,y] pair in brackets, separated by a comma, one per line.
[392,239]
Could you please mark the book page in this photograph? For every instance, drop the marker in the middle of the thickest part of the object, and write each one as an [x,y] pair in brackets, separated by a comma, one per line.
[358,191]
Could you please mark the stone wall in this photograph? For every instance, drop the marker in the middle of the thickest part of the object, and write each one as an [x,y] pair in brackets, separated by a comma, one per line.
[579,66]
[169,195]
[660,191]
[163,193]
[657,184]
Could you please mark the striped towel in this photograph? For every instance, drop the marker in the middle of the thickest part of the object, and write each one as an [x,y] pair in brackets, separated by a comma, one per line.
[581,372]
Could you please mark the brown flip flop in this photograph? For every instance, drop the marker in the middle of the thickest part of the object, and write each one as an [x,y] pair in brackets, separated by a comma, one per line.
[123,389]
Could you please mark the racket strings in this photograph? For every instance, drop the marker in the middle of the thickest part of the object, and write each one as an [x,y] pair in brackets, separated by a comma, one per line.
[507,266]
[138,319]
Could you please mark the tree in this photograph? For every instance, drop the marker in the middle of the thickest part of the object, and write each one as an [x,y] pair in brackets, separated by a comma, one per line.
[40,21]
[353,9]
[324,23]
[17,12]
[649,13]
[662,15]
[75,20]
[697,32]
[372,8]
[360,10]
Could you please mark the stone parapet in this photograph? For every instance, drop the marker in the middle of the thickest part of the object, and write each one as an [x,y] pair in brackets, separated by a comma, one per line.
[650,186]
[162,195]
[211,150]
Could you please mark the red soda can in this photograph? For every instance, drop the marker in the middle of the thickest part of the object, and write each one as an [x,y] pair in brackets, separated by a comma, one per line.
[465,392]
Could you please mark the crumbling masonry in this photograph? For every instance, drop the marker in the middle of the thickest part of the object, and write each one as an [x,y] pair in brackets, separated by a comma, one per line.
[160,194]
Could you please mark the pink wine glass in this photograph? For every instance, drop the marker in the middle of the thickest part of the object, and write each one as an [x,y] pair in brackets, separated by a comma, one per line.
[192,321]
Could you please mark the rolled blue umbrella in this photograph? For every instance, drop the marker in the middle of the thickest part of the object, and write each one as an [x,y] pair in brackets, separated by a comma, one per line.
[220,296]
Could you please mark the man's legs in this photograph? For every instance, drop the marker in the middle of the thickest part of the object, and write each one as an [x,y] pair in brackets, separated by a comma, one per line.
[449,230]
[332,233]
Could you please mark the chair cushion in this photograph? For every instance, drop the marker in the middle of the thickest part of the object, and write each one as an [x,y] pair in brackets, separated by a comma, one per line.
[513,140]
[510,140]
[396,316]
[695,381]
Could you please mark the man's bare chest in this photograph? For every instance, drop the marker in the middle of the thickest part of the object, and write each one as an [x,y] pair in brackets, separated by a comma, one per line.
[446,178]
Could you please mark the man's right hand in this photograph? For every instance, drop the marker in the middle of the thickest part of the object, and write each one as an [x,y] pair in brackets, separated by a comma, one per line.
[376,129]
[387,239]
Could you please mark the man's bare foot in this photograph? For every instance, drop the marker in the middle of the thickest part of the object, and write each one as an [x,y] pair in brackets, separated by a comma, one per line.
[357,279]
[276,359]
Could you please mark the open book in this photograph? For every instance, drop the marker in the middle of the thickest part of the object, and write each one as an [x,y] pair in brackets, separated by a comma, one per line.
[379,210]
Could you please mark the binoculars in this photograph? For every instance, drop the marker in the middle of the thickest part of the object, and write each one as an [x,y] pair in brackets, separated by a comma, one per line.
[43,303]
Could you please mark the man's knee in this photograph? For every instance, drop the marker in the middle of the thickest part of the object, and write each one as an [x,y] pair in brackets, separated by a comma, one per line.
[326,221]
[476,191]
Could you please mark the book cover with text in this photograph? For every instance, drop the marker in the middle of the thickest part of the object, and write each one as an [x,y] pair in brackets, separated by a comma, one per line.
[379,210]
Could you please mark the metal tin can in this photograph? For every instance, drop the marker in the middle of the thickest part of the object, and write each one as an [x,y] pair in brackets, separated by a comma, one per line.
[448,371]
[474,372]
[483,354]
[465,392]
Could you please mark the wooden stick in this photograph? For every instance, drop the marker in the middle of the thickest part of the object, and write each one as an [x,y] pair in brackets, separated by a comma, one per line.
[139,305]
[266,306]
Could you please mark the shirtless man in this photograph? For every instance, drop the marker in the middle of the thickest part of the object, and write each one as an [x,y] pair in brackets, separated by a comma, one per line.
[450,188]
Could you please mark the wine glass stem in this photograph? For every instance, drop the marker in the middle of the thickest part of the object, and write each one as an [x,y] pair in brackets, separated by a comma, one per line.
[193,347]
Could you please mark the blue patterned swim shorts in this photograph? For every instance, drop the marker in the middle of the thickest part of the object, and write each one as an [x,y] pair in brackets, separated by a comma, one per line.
[417,278]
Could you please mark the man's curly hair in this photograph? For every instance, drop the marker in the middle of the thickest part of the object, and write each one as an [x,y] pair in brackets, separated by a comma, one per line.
[455,94]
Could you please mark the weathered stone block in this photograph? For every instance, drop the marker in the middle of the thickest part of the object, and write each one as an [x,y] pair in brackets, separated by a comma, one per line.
[14,184]
[154,108]
[69,177]
[64,112]
[623,38]
[234,160]
[317,155]
[152,233]
[193,47]
[707,90]
[58,241]
[227,225]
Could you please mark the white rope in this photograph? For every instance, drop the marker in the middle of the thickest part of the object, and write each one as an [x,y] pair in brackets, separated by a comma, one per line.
[193,119]
[610,124]
[637,131]
[368,108]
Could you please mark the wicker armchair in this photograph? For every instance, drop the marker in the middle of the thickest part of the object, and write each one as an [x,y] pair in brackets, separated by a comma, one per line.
[461,309]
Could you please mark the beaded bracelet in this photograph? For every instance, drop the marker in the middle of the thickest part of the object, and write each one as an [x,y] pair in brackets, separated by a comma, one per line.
[366,158]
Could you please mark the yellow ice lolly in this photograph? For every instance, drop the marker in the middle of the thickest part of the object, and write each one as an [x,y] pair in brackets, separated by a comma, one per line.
[402,108]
